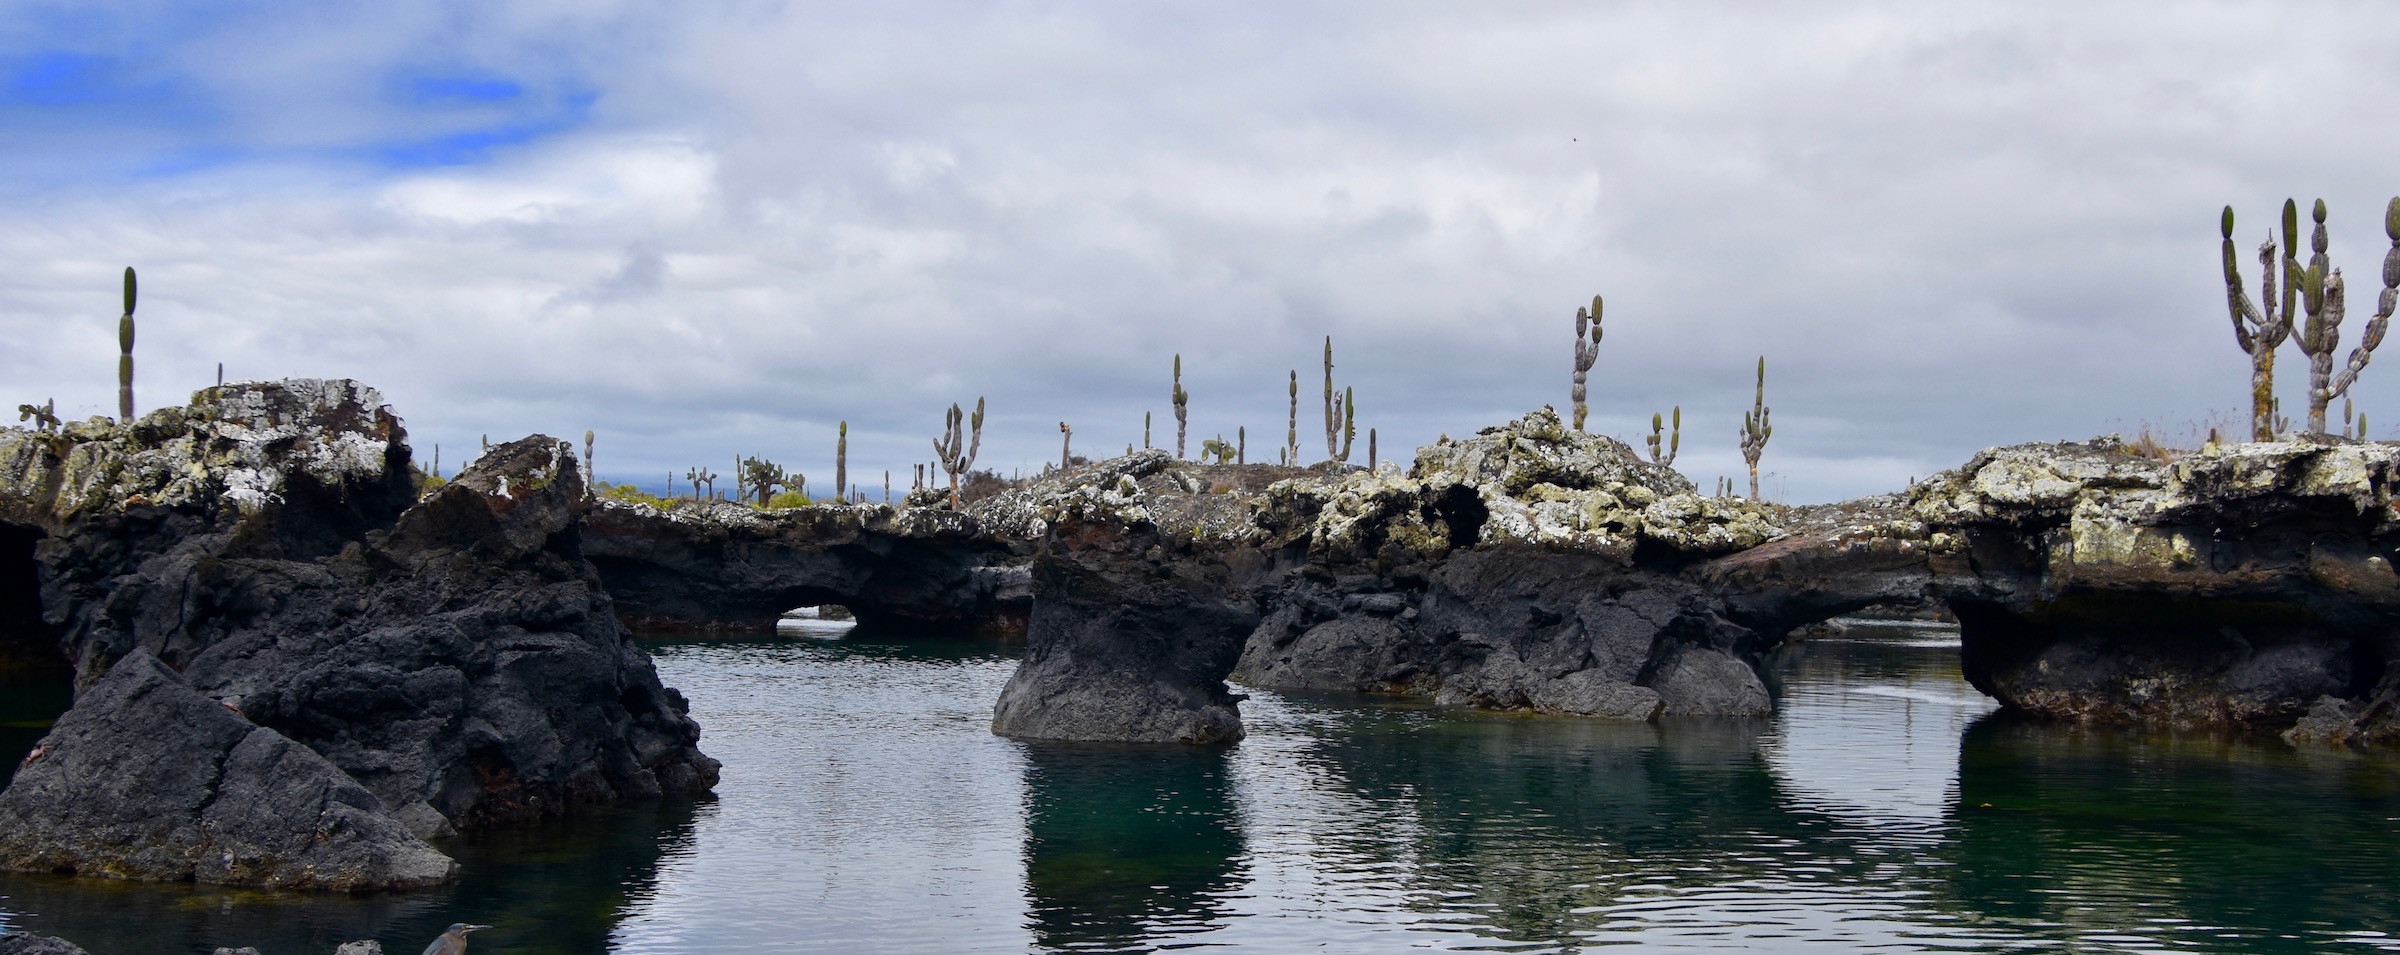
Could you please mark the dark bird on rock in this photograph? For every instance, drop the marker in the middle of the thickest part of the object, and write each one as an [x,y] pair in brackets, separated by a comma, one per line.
[453,941]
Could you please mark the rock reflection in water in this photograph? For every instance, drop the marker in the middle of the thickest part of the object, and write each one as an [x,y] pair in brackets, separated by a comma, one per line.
[2194,841]
[1530,830]
[548,889]
[1127,845]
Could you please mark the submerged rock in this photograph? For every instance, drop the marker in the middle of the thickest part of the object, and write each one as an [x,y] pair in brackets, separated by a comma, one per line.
[25,943]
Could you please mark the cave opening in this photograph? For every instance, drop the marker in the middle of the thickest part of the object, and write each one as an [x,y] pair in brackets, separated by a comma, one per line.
[36,681]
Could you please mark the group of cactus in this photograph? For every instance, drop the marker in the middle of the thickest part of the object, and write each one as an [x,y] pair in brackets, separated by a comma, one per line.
[1341,422]
[2315,287]
[1664,444]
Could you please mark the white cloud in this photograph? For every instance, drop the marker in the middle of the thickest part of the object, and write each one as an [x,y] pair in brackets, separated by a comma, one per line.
[1946,227]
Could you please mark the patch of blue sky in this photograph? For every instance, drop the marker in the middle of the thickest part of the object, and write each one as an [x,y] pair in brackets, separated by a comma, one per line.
[455,90]
[477,145]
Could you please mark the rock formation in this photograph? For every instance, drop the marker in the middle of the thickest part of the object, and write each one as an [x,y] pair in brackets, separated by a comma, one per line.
[1529,567]
[456,657]
[715,567]
[147,779]
[2245,586]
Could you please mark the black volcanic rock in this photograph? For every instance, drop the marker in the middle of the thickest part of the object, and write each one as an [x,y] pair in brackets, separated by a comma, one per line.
[456,656]
[707,567]
[1530,567]
[2245,586]
[1132,633]
[146,779]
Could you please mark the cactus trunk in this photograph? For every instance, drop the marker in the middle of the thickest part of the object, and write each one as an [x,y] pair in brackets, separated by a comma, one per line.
[1181,399]
[1586,352]
[125,354]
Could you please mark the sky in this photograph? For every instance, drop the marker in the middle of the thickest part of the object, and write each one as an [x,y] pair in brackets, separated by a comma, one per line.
[710,229]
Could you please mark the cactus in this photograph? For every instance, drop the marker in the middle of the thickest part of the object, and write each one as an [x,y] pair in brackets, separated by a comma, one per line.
[1755,429]
[1674,442]
[764,475]
[1181,399]
[125,354]
[589,477]
[954,451]
[1341,420]
[437,460]
[1217,450]
[700,476]
[1586,352]
[1291,436]
[1370,450]
[841,459]
[2259,334]
[44,416]
[2321,293]
[887,485]
[1066,443]
[1145,430]
[1241,445]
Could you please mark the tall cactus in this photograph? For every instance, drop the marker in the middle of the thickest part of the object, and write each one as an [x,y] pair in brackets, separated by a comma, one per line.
[2259,333]
[1241,445]
[1586,352]
[1145,430]
[1066,445]
[841,461]
[2321,293]
[125,354]
[1341,420]
[954,451]
[590,478]
[1675,441]
[1755,428]
[1291,434]
[1182,399]
[1370,450]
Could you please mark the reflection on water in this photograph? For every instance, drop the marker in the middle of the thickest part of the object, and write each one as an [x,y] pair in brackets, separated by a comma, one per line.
[1127,846]
[867,807]
[555,888]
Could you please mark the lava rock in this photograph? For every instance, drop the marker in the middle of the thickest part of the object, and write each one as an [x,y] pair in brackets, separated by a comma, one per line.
[147,779]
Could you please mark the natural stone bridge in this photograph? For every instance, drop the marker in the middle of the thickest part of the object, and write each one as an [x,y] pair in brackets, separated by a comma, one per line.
[406,665]
[729,568]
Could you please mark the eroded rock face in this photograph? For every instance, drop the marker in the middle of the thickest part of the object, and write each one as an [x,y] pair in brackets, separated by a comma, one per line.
[456,656]
[146,779]
[2246,586]
[1527,568]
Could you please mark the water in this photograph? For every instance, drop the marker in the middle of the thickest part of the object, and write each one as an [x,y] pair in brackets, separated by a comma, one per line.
[867,807]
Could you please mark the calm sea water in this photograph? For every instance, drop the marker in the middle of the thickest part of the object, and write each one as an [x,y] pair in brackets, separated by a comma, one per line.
[867,808]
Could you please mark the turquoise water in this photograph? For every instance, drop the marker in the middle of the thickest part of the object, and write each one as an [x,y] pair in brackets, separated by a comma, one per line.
[867,808]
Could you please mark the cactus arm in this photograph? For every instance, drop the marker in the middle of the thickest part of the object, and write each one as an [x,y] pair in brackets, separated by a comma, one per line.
[2372,335]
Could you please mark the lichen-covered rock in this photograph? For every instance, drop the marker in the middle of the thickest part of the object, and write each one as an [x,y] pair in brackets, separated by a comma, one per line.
[455,656]
[2241,586]
[1529,567]
[147,779]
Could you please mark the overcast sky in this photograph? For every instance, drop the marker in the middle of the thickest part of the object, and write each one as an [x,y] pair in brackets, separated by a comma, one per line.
[704,229]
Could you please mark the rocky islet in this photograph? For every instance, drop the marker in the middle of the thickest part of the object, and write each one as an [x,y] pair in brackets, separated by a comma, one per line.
[412,666]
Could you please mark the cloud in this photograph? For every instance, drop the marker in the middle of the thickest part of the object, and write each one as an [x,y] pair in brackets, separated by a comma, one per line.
[724,228]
